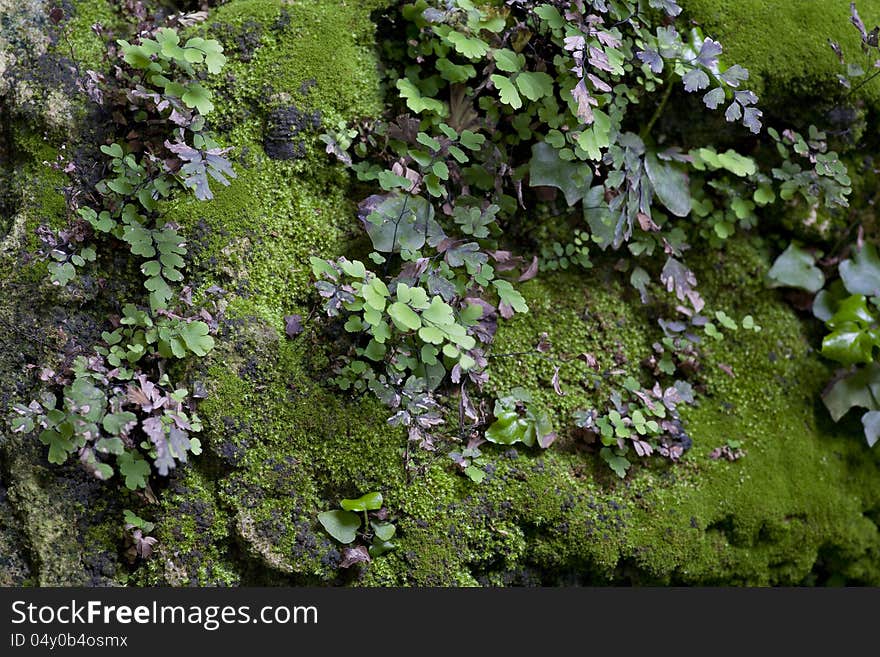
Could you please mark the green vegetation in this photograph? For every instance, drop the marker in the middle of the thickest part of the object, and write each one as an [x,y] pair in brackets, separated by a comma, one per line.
[513,271]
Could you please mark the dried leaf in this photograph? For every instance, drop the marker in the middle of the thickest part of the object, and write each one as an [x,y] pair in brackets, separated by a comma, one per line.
[530,272]
[555,381]
[351,556]
[293,325]
[543,345]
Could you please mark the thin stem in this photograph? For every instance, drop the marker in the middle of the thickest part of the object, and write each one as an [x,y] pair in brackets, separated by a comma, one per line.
[657,112]
[863,83]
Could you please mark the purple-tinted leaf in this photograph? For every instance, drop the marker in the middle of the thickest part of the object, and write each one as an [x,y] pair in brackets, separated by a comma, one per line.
[180,119]
[218,165]
[200,164]
[837,51]
[709,52]
[590,360]
[530,272]
[652,58]
[599,83]
[714,97]
[467,406]
[437,284]
[608,39]
[154,429]
[484,329]
[745,97]
[506,310]
[672,326]
[695,79]
[143,544]
[734,75]
[351,556]
[546,439]
[678,278]
[599,59]
[642,448]
[555,382]
[669,6]
[574,43]
[584,100]
[752,119]
[733,112]
[856,20]
[178,442]
[293,325]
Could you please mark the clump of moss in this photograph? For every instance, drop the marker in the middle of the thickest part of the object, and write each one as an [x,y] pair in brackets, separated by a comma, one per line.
[87,47]
[316,53]
[194,546]
[785,45]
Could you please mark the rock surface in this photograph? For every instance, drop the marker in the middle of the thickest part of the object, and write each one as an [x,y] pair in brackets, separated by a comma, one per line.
[802,506]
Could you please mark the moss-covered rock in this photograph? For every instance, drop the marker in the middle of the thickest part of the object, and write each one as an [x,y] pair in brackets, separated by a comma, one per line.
[802,505]
[785,44]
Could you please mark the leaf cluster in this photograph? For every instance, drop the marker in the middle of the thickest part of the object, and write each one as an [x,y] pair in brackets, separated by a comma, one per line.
[373,535]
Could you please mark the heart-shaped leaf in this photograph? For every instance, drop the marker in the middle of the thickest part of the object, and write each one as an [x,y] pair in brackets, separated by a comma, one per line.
[341,525]
[796,268]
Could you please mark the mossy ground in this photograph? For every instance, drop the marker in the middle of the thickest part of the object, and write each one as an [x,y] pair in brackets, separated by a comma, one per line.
[280,446]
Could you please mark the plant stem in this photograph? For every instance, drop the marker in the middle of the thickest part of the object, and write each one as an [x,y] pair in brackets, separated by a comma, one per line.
[862,83]
[657,112]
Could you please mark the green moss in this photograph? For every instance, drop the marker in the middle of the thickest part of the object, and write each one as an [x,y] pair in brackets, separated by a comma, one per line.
[785,44]
[193,536]
[318,53]
[256,236]
[797,508]
[591,320]
[88,48]
[281,446]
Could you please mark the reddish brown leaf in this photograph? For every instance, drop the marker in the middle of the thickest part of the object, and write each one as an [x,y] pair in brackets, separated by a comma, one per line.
[646,223]
[530,272]
[351,556]
[293,325]
[590,360]
[543,345]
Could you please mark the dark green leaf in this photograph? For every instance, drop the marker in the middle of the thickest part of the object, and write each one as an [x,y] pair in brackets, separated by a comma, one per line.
[670,185]
[796,268]
[861,274]
[384,530]
[534,86]
[134,468]
[506,91]
[547,169]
